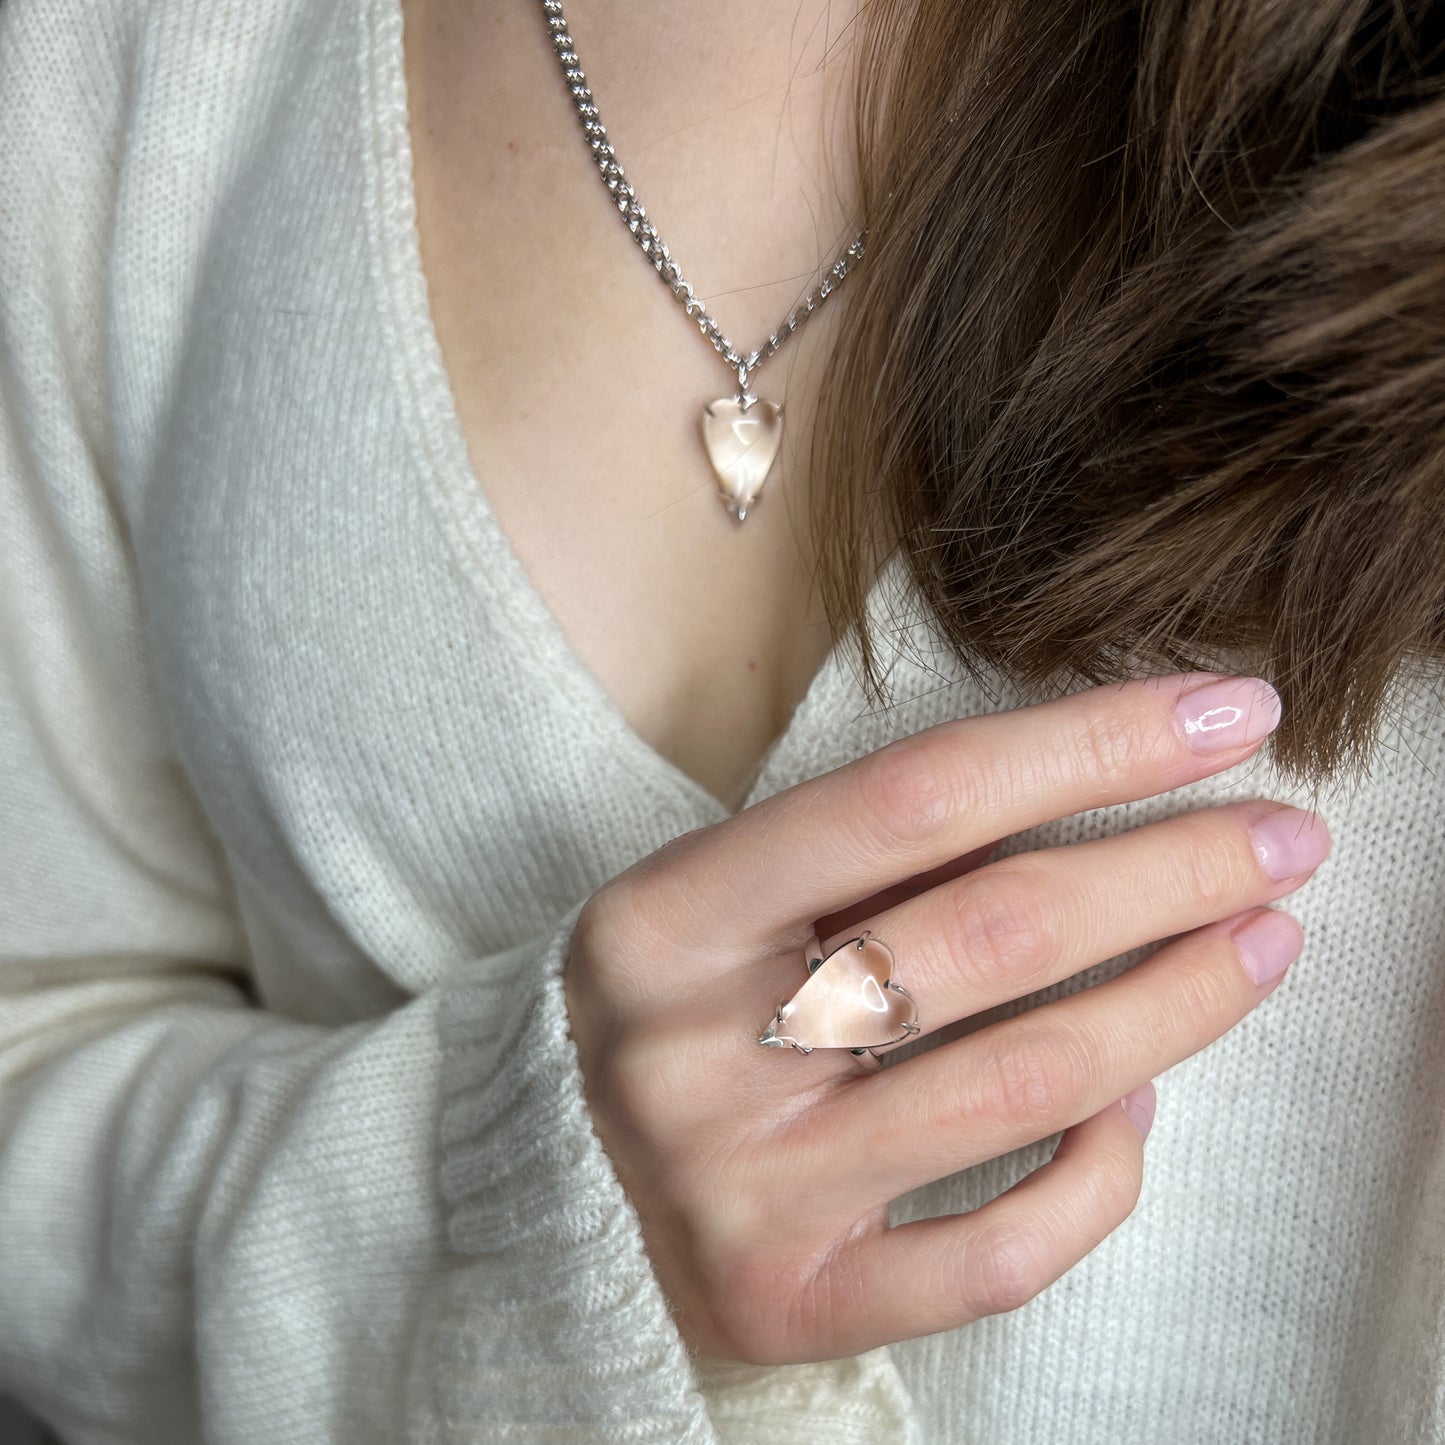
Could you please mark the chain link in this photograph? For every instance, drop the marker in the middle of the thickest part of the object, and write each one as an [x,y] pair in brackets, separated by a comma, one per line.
[645,233]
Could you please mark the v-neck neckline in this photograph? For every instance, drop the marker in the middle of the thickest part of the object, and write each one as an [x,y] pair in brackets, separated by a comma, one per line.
[493,564]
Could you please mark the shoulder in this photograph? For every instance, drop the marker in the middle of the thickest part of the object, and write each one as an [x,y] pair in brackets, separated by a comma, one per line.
[121,123]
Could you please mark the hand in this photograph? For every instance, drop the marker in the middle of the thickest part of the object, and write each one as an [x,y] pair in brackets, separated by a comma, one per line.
[761,1176]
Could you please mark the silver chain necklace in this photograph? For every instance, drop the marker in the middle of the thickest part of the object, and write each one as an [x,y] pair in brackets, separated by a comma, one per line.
[741,434]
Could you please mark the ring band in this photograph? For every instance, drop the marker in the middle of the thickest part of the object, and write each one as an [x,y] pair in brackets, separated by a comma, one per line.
[848,1001]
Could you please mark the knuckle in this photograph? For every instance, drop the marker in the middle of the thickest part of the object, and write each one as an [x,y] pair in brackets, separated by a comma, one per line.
[1110,745]
[908,791]
[747,1324]
[1208,867]
[1000,1269]
[1212,996]
[1114,1182]
[635,1083]
[1027,1079]
[610,938]
[738,1335]
[1001,929]
[659,885]
[603,921]
[639,913]
[817,1309]
[727,1224]
[763,1299]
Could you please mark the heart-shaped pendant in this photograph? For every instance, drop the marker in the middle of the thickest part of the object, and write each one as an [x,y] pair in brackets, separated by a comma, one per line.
[741,435]
[848,1002]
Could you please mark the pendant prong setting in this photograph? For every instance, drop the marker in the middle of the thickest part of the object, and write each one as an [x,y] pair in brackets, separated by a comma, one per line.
[741,435]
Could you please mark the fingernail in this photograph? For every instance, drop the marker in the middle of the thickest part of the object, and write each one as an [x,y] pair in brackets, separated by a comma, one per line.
[1290,841]
[1268,943]
[1229,713]
[1139,1106]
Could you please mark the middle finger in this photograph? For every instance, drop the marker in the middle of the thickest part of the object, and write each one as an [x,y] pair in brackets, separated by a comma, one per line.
[1019,924]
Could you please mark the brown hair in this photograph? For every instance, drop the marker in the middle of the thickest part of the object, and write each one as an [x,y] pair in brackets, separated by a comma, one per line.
[1144,367]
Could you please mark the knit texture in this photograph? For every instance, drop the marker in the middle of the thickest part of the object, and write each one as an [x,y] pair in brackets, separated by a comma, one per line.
[304,788]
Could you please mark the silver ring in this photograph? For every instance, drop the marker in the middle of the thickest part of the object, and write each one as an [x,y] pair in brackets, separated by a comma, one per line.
[848,1001]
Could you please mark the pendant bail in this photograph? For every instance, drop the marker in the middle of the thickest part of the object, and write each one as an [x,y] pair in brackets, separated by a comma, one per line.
[744,398]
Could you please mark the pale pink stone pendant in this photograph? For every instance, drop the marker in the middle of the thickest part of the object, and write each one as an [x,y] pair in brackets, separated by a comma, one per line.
[741,435]
[849,1001]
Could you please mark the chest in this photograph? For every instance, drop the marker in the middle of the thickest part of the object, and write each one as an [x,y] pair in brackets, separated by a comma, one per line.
[403,756]
[579,380]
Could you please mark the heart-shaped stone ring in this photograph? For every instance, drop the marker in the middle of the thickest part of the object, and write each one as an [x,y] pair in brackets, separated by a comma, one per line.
[849,1001]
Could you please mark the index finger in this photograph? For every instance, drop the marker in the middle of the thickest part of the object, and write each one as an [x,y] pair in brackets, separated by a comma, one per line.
[753,884]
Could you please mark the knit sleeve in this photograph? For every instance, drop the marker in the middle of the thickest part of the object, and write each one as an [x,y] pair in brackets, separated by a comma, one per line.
[219,1222]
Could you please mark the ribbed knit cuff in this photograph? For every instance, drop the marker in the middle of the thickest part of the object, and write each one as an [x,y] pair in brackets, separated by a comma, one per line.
[548,1323]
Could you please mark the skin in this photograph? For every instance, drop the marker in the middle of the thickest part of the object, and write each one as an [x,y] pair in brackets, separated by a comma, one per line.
[771,1242]
[580,381]
[577,389]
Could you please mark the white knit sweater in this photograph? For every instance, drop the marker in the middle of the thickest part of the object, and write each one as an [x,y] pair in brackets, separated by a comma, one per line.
[303,788]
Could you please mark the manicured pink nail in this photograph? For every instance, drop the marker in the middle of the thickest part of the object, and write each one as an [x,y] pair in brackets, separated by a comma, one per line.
[1290,841]
[1229,713]
[1268,942]
[1139,1106]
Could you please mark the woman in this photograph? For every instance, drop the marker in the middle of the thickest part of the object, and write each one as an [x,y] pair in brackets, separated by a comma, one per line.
[421,794]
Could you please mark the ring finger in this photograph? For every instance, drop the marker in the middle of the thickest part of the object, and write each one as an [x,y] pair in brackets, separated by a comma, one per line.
[1024,1078]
